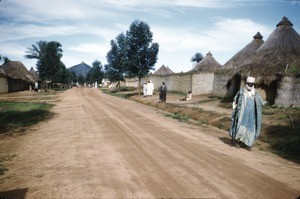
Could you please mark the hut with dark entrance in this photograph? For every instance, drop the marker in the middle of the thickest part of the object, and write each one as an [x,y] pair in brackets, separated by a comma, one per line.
[276,67]
[227,89]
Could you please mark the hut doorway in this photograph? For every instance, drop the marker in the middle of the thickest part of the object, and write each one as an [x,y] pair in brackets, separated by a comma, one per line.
[271,91]
[232,88]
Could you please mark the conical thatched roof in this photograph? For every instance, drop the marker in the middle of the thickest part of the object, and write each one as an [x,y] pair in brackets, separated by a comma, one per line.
[163,70]
[33,74]
[279,55]
[245,53]
[207,64]
[16,70]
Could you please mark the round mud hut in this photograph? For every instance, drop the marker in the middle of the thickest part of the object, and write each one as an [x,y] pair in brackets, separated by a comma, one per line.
[276,66]
[207,64]
[227,89]
[18,77]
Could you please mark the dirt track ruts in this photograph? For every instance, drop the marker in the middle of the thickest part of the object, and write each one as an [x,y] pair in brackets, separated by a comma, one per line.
[100,146]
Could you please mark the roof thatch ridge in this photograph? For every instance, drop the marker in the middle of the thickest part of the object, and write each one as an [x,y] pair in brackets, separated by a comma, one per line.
[207,64]
[17,70]
[33,74]
[284,21]
[273,59]
[163,70]
[245,52]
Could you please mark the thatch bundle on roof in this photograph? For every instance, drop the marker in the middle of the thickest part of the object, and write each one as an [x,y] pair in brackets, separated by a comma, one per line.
[163,70]
[207,64]
[16,70]
[278,56]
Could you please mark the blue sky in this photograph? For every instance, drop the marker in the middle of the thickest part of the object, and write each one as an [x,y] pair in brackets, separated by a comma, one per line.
[181,27]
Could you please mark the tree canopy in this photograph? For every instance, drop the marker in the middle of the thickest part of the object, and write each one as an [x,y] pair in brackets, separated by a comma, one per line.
[132,54]
[197,57]
[96,73]
[49,65]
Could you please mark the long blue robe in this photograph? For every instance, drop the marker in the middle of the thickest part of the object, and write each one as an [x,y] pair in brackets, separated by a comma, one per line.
[246,117]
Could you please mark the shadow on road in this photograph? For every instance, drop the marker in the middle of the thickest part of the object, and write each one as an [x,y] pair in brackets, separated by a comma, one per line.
[12,194]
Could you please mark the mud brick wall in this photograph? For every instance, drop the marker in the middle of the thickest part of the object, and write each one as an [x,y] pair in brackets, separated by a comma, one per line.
[288,92]
[202,83]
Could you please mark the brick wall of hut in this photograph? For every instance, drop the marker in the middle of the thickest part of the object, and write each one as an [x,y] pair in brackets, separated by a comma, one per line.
[198,83]
[219,85]
[3,85]
[288,92]
[202,83]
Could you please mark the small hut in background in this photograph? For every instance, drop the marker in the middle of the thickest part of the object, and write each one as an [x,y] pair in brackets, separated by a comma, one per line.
[276,66]
[18,77]
[225,89]
[3,82]
[207,64]
[163,70]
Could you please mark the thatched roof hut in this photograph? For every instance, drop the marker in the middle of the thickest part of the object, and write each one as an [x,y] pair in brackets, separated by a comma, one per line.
[207,64]
[278,56]
[245,53]
[16,70]
[163,70]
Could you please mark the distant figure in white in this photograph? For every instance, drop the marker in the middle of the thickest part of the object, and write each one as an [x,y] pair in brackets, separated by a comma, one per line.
[188,97]
[145,89]
[36,86]
[96,85]
[150,88]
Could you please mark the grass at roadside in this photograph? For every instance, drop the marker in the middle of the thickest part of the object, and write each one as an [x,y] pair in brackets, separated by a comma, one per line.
[21,114]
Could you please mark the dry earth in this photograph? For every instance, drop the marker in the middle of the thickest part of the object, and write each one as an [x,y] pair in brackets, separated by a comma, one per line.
[100,146]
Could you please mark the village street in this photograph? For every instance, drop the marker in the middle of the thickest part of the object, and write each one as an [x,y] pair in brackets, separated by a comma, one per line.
[101,146]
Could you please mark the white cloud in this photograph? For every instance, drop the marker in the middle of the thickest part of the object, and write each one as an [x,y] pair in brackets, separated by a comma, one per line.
[90,48]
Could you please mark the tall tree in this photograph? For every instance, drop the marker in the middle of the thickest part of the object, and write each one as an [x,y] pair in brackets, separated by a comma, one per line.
[96,73]
[141,52]
[116,58]
[49,64]
[36,51]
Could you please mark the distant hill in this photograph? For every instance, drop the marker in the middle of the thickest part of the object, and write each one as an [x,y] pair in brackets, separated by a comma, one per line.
[80,69]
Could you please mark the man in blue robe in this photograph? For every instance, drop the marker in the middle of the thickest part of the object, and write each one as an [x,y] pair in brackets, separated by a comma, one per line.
[246,115]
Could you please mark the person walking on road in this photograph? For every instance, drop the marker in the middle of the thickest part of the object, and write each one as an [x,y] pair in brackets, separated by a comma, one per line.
[246,116]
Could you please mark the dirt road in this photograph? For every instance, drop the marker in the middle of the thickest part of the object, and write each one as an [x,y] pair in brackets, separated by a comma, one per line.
[100,146]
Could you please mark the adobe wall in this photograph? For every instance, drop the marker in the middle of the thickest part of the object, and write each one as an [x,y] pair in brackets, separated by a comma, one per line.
[219,85]
[288,92]
[202,83]
[3,85]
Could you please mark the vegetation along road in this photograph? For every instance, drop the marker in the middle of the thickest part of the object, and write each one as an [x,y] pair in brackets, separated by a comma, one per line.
[101,146]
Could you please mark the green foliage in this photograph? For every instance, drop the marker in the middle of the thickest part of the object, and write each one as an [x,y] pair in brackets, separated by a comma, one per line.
[133,54]
[293,70]
[116,58]
[20,114]
[142,53]
[179,117]
[197,57]
[49,65]
[96,73]
[289,144]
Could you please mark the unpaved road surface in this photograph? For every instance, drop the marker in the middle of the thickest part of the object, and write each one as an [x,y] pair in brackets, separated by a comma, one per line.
[100,146]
